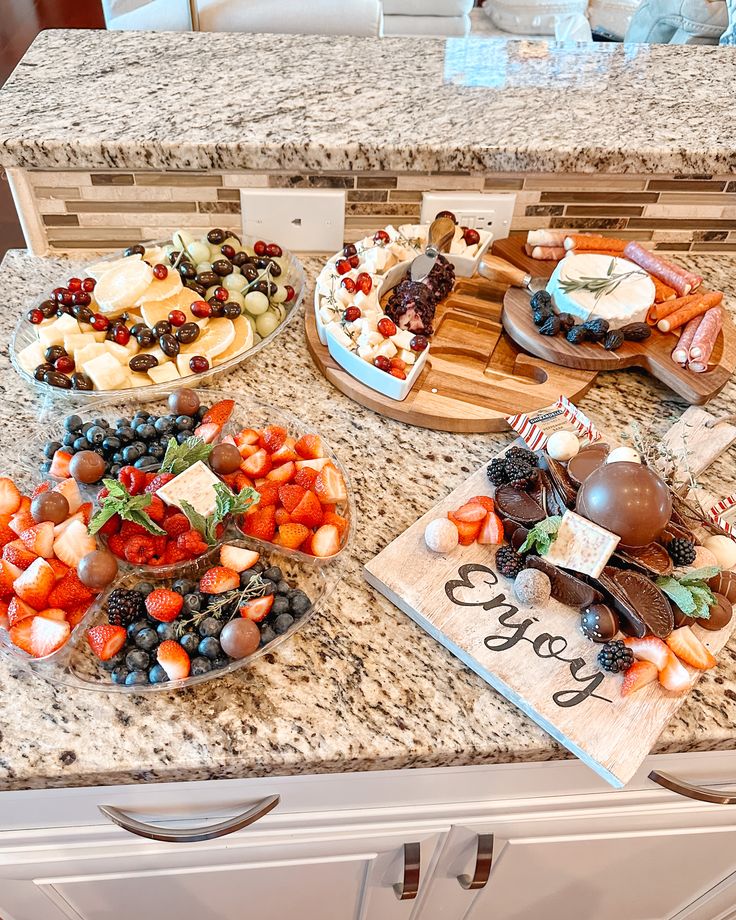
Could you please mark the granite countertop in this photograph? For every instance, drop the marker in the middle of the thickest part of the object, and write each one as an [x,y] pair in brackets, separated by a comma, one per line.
[145,100]
[361,687]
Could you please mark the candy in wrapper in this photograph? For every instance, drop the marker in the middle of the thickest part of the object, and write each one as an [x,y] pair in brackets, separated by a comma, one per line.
[536,427]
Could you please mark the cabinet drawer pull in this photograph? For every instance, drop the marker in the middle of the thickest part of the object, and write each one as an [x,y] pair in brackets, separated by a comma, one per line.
[483,863]
[408,888]
[701,793]
[190,834]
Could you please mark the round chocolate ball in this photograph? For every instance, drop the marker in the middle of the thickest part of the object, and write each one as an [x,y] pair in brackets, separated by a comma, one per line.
[183,402]
[225,458]
[599,623]
[628,499]
[87,466]
[97,569]
[240,638]
[49,506]
[720,614]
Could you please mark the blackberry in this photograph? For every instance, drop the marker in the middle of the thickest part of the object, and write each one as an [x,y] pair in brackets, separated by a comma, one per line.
[540,298]
[615,657]
[509,562]
[125,607]
[497,471]
[520,474]
[523,455]
[681,550]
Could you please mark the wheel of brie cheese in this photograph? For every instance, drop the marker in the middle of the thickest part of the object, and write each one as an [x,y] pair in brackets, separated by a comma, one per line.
[592,286]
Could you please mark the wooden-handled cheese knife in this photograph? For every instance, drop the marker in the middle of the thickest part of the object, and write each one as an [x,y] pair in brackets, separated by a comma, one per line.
[503,272]
[439,238]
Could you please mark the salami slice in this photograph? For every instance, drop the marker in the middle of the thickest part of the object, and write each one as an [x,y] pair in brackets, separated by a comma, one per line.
[681,351]
[705,339]
[669,274]
[692,279]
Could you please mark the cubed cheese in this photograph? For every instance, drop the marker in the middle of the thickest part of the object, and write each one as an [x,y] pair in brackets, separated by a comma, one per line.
[407,355]
[386,348]
[402,338]
[31,356]
[94,350]
[163,372]
[77,341]
[195,486]
[139,380]
[105,372]
[340,336]
[122,353]
[54,333]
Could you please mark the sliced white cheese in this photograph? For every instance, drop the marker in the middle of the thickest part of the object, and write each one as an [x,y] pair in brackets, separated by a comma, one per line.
[194,485]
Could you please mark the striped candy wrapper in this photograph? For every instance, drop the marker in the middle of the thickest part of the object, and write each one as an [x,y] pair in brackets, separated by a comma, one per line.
[536,427]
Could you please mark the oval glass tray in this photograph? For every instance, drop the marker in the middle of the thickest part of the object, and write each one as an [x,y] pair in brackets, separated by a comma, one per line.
[24,334]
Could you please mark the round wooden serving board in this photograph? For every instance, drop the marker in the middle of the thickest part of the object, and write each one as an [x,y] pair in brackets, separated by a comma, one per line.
[474,375]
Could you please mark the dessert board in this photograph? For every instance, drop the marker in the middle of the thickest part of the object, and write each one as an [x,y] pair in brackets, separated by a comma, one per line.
[654,354]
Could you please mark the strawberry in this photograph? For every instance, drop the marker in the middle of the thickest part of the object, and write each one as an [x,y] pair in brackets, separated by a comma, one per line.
[330,486]
[75,617]
[261,524]
[305,477]
[282,516]
[326,541]
[257,465]
[257,609]
[192,543]
[237,481]
[40,539]
[59,568]
[8,574]
[491,530]
[60,464]
[315,465]
[164,605]
[269,493]
[60,528]
[106,640]
[638,675]
[309,447]
[237,558]
[688,648]
[290,496]
[47,636]
[156,510]
[485,500]
[649,649]
[158,481]
[176,524]
[34,585]
[284,473]
[20,635]
[133,479]
[54,613]
[338,520]
[20,521]
[285,453]
[4,620]
[173,659]
[69,592]
[86,511]
[468,531]
[674,676]
[70,490]
[292,535]
[40,489]
[308,511]
[472,512]
[208,432]
[7,534]
[18,554]
[219,579]
[246,436]
[272,438]
[219,413]
[25,505]
[74,543]
[18,610]
[116,545]
[111,526]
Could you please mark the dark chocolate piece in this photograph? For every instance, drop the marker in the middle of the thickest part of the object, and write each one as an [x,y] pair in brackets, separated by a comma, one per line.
[673,531]
[586,461]
[518,537]
[565,587]
[516,504]
[599,623]
[720,614]
[509,528]
[650,605]
[565,487]
[629,620]
[724,583]
[653,558]
[682,619]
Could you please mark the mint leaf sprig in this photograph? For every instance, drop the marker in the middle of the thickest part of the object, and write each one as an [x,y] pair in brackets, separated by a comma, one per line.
[226,503]
[129,507]
[180,457]
[690,591]
[542,535]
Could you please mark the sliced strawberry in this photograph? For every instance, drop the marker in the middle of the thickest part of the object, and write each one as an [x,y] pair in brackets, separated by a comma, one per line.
[485,500]
[69,592]
[20,521]
[282,517]
[47,636]
[284,473]
[688,648]
[74,617]
[272,438]
[40,539]
[85,510]
[338,520]
[293,535]
[9,496]
[315,465]
[74,543]
[59,568]
[290,495]
[237,481]
[472,512]
[34,585]
[164,605]
[638,675]
[269,493]
[18,554]
[467,530]
[674,676]
[208,432]
[257,609]
[491,530]
[8,574]
[173,659]
[40,489]
[18,610]
[305,477]
[308,511]
[60,465]
[7,534]
[4,619]
[257,465]
[70,490]
[238,558]
[54,613]
[219,579]
[219,413]
[20,635]
[310,447]
[285,453]
[60,528]
[106,640]
[649,649]
[325,541]
[330,486]
[261,523]
[246,436]
[247,450]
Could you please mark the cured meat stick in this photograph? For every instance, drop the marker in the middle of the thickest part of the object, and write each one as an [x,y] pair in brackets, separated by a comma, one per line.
[694,280]
[705,338]
[613,253]
[660,310]
[669,274]
[662,291]
[701,305]
[585,243]
[681,351]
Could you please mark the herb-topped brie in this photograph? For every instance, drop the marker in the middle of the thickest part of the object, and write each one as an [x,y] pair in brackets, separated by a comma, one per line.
[602,287]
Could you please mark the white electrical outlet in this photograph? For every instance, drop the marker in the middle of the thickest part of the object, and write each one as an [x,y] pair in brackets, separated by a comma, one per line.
[304,220]
[472,209]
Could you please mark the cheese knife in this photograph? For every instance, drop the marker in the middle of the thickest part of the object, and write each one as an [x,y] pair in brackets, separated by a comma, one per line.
[496,269]
[439,238]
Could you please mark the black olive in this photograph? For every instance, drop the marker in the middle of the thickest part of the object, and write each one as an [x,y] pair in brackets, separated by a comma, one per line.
[222,267]
[53,353]
[81,382]
[55,379]
[216,236]
[142,363]
[169,345]
[187,333]
[207,279]
[162,327]
[231,310]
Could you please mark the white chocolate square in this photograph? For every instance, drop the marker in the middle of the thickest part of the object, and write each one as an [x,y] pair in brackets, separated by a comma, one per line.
[581,545]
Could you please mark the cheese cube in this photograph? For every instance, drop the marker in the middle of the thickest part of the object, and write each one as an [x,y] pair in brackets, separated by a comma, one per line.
[368,301]
[157,353]
[122,353]
[386,348]
[402,338]
[369,338]
[367,352]
[93,350]
[339,334]
[163,372]
[76,341]
[139,380]
[54,333]
[408,356]
[106,373]
[31,356]
[195,486]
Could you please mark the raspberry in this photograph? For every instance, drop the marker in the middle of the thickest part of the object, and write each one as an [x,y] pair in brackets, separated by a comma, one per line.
[156,510]
[160,479]
[103,493]
[159,545]
[112,526]
[139,550]
[174,553]
[177,524]
[131,529]
[133,479]
[191,543]
[116,545]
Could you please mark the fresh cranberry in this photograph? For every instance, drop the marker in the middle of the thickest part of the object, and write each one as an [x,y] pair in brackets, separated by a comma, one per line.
[121,334]
[198,364]
[65,297]
[259,248]
[82,298]
[34,316]
[88,284]
[342,266]
[74,284]
[221,294]
[397,372]
[349,250]
[100,323]
[471,236]
[201,309]
[387,327]
[64,364]
[381,237]
[160,271]
[446,214]
[418,343]
[364,282]
[274,251]
[354,261]
[351,314]
[348,284]
[382,363]
[177,318]
[228,251]
[290,292]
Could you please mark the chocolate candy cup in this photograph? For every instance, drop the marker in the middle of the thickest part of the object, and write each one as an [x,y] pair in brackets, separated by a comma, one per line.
[587,461]
[653,558]
[724,583]
[720,614]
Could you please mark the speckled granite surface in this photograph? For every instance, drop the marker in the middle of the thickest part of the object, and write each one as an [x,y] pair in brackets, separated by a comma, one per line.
[176,100]
[361,687]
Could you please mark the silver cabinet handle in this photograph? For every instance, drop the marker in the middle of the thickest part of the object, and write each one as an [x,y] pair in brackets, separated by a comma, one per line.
[483,863]
[701,793]
[408,888]
[190,834]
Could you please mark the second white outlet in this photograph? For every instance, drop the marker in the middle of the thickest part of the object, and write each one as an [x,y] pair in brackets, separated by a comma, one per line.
[472,209]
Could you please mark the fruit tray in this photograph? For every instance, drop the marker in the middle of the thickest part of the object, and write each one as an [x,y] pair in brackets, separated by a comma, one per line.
[85,351]
[295,583]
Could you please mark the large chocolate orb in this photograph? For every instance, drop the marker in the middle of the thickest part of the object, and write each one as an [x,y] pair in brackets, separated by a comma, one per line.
[628,499]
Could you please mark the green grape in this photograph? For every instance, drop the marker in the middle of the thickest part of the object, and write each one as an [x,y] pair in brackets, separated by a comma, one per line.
[267,323]
[182,239]
[233,282]
[203,267]
[280,295]
[256,303]
[236,297]
[199,251]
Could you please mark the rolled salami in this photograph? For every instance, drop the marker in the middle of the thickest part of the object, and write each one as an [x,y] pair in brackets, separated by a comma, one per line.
[546,237]
[681,351]
[692,279]
[586,243]
[670,274]
[705,338]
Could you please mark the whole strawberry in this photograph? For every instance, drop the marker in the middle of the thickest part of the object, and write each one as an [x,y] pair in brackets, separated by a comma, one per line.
[164,605]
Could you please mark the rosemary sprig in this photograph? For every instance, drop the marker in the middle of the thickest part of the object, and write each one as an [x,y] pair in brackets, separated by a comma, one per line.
[598,286]
[230,601]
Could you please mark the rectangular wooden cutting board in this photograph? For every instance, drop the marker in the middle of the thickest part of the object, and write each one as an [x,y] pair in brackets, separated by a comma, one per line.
[537,658]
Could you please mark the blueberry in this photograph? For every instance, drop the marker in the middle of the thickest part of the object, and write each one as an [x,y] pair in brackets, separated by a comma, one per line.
[130,454]
[86,427]
[273,573]
[117,457]
[119,675]
[114,470]
[147,464]
[245,578]
[146,432]
[69,439]
[192,602]
[283,622]
[147,639]
[283,587]
[111,444]
[135,678]
[184,423]
[45,467]
[156,451]
[164,425]
[136,627]
[182,436]
[190,642]
[183,586]
[166,631]
[114,662]
[101,422]
[126,434]
[96,435]
[201,412]
[209,647]
[300,603]
[137,659]
[267,635]
[122,422]
[220,663]
[81,444]
[210,627]
[144,588]
[280,605]
[200,666]
[157,675]
[50,448]
[72,423]
[256,569]
[269,589]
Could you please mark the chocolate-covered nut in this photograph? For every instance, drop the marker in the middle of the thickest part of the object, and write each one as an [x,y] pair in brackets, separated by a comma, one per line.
[142,363]
[682,619]
[82,382]
[207,279]
[162,327]
[188,333]
[599,623]
[720,614]
[55,379]
[724,583]
[169,345]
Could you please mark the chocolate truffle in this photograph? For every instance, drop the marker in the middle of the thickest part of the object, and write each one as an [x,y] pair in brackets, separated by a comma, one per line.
[532,587]
[599,623]
[720,614]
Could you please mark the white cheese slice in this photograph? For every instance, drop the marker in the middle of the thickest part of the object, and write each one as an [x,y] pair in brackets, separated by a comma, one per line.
[581,545]
[195,486]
